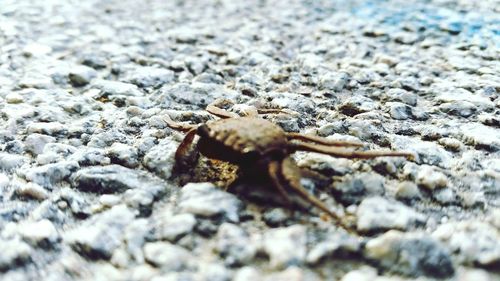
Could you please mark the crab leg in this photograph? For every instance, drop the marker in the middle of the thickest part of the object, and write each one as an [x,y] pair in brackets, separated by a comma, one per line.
[270,110]
[308,173]
[183,149]
[274,172]
[344,153]
[219,112]
[320,140]
[178,126]
[289,172]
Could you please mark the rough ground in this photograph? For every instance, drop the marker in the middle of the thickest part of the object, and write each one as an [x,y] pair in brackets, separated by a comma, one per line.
[86,184]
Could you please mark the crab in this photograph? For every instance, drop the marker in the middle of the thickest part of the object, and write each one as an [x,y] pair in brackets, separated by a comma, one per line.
[262,147]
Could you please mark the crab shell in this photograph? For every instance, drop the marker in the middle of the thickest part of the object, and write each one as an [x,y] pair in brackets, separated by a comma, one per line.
[243,141]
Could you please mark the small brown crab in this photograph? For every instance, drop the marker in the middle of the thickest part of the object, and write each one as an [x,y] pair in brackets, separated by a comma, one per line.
[258,145]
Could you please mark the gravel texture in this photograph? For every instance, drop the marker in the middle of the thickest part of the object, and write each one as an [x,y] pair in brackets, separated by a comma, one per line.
[87,186]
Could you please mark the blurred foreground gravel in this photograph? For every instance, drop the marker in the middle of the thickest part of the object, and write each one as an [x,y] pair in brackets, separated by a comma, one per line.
[86,184]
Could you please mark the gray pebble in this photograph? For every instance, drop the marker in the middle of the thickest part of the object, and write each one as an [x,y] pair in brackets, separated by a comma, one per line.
[140,199]
[431,178]
[428,153]
[81,75]
[445,196]
[480,136]
[50,211]
[187,35]
[36,50]
[47,128]
[364,273]
[213,271]
[42,233]
[78,205]
[135,236]
[4,181]
[353,189]
[459,108]
[95,61]
[14,98]
[399,111]
[50,174]
[11,161]
[420,114]
[294,102]
[474,242]
[377,213]
[387,165]
[144,273]
[411,256]
[365,76]
[327,165]
[432,133]
[194,96]
[109,200]
[286,246]
[489,119]
[14,146]
[91,157]
[35,143]
[451,144]
[474,275]
[107,138]
[98,237]
[367,131]
[209,78]
[453,95]
[292,273]
[123,154]
[452,27]
[234,245]
[334,81]
[114,178]
[18,111]
[160,158]
[145,77]
[334,245]
[35,80]
[276,217]
[31,190]
[356,105]
[409,83]
[172,228]
[247,273]
[406,38]
[14,253]
[207,227]
[206,200]
[400,95]
[56,152]
[166,256]
[145,144]
[407,190]
[114,88]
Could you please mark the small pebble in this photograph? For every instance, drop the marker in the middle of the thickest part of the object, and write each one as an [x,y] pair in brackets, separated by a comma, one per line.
[407,191]
[431,178]
[378,213]
[206,200]
[286,246]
